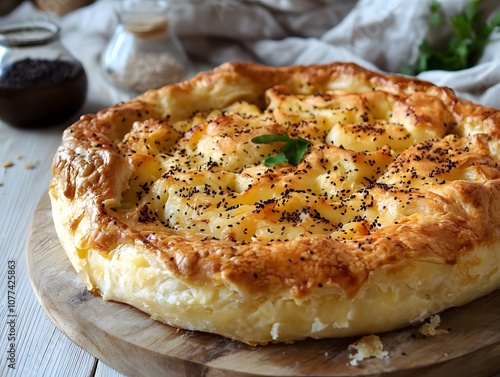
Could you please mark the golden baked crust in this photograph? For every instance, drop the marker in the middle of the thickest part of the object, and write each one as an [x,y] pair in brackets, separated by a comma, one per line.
[392,215]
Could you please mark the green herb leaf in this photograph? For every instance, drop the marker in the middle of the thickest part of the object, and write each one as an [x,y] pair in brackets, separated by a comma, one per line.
[495,20]
[472,11]
[435,7]
[436,18]
[464,47]
[461,26]
[293,151]
[277,159]
[484,30]
[268,139]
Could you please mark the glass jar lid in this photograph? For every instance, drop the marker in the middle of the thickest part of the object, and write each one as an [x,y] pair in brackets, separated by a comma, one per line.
[146,19]
[28,33]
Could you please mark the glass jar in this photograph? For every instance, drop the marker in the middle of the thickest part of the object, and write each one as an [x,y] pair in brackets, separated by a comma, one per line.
[41,83]
[144,52]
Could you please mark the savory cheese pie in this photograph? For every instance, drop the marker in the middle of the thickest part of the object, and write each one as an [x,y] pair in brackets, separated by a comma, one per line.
[390,215]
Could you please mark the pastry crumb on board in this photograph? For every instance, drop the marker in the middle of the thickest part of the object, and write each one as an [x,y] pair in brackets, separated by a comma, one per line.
[367,347]
[431,328]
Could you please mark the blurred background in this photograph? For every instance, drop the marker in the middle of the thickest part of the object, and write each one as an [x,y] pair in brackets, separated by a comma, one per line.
[200,34]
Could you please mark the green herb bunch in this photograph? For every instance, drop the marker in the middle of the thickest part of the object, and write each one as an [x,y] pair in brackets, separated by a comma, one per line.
[465,46]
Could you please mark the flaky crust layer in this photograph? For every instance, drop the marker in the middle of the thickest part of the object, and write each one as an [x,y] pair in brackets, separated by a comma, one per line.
[392,215]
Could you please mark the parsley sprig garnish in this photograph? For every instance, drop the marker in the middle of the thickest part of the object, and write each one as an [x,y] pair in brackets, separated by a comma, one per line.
[292,151]
[466,45]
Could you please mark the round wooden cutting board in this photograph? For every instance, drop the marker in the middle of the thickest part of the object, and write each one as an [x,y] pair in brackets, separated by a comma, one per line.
[127,340]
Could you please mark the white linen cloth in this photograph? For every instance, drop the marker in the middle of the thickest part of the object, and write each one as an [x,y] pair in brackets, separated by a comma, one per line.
[377,34]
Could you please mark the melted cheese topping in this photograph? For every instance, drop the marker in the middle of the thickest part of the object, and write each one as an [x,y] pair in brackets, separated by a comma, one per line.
[372,157]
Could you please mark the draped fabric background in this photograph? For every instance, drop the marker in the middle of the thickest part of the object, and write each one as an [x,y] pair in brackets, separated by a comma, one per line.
[377,34]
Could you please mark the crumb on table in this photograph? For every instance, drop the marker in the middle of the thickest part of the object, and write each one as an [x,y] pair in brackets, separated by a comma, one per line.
[430,328]
[367,347]
[30,165]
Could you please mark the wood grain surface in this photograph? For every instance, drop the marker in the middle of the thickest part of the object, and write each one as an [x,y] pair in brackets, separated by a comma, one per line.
[127,340]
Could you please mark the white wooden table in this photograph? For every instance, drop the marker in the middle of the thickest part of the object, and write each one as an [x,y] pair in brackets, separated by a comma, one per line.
[40,349]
